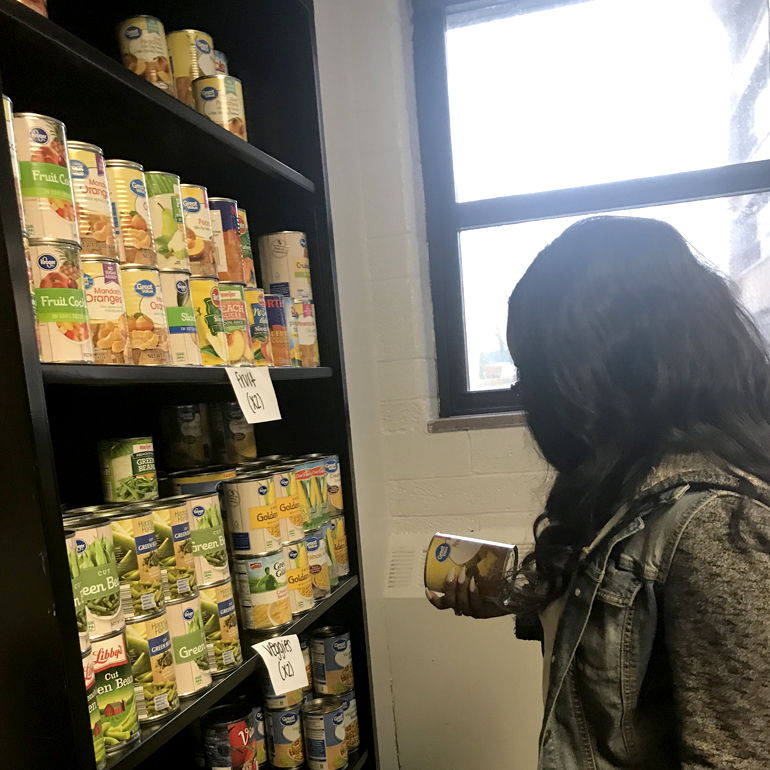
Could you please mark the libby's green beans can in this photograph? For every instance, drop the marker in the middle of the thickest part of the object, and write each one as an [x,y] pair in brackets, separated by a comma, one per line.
[128,470]
[188,641]
[93,709]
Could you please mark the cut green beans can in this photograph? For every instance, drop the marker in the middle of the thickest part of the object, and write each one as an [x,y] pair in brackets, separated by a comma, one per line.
[128,470]
[98,573]
[175,548]
[136,551]
[77,590]
[93,709]
[115,692]
[220,624]
[207,533]
[192,660]
[152,665]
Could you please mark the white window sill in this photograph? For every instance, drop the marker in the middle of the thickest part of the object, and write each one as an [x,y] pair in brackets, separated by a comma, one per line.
[478,422]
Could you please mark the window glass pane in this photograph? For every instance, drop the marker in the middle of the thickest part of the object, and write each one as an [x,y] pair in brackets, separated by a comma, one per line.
[731,233]
[604,90]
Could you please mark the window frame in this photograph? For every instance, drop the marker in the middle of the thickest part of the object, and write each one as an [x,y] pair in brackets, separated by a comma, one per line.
[446,218]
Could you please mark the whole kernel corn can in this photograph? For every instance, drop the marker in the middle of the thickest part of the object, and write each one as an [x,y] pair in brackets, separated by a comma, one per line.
[183,343]
[236,322]
[262,592]
[128,195]
[220,99]
[298,577]
[208,318]
[143,46]
[192,56]
[165,200]
[259,326]
[200,238]
[246,249]
[106,311]
[147,324]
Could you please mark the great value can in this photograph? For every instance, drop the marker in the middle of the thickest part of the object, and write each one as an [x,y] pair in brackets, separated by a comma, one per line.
[188,642]
[220,99]
[275,702]
[340,540]
[106,311]
[326,529]
[92,200]
[285,264]
[318,562]
[168,227]
[252,514]
[147,324]
[333,486]
[290,516]
[152,666]
[284,738]
[220,62]
[77,589]
[323,722]
[208,318]
[97,572]
[259,735]
[248,253]
[234,435]
[183,343]
[220,624]
[298,577]
[293,330]
[128,469]
[8,111]
[171,519]
[60,301]
[279,330]
[44,171]
[259,326]
[131,212]
[115,692]
[200,480]
[262,592]
[233,303]
[93,708]
[305,647]
[352,733]
[224,220]
[136,551]
[230,737]
[307,333]
[142,41]
[332,660]
[197,221]
[208,538]
[192,56]
[186,436]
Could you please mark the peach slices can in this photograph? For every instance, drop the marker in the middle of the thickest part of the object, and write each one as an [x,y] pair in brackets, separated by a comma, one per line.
[233,303]
[197,222]
[262,591]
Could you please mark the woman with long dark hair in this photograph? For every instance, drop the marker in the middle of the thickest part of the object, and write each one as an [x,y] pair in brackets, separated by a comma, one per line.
[647,388]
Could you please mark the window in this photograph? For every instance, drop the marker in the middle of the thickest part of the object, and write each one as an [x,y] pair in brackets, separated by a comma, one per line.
[533,114]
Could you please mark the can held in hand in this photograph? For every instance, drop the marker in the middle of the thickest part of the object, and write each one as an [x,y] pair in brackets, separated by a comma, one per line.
[44,171]
[230,737]
[262,591]
[352,733]
[252,514]
[97,573]
[341,558]
[220,99]
[188,642]
[208,318]
[152,665]
[200,480]
[165,201]
[147,324]
[93,708]
[128,469]
[220,62]
[208,538]
[77,589]
[131,213]
[197,222]
[115,692]
[290,516]
[227,239]
[220,624]
[318,562]
[246,249]
[279,330]
[323,722]
[307,333]
[136,552]
[284,738]
[332,660]
[259,326]
[60,301]
[298,578]
[106,311]
[171,519]
[285,264]
[233,304]
[192,56]
[183,343]
[143,47]
[92,200]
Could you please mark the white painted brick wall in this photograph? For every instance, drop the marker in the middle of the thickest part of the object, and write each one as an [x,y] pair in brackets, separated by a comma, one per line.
[490,483]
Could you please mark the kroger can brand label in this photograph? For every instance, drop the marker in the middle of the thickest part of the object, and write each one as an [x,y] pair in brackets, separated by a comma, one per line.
[324,728]
[284,738]
[332,663]
[252,515]
[221,627]
[262,591]
[175,550]
[207,533]
[188,641]
[290,515]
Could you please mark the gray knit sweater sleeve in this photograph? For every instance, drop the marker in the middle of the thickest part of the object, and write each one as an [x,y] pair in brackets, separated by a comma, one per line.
[717,628]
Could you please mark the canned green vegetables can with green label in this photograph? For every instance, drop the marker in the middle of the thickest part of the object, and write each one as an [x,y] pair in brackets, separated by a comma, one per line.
[207,533]
[93,709]
[175,548]
[220,624]
[77,590]
[128,470]
[192,660]
[115,692]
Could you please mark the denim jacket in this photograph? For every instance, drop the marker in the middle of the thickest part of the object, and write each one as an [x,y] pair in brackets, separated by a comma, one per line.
[603,709]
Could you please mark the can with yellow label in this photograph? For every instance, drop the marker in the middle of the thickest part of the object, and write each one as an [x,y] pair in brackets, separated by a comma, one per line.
[208,318]
[256,311]
[192,56]
[220,98]
[106,311]
[252,514]
[131,212]
[200,238]
[233,303]
[142,41]
[147,324]
[298,577]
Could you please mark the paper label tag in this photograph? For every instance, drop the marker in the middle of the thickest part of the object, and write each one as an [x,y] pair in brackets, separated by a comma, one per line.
[284,662]
[255,393]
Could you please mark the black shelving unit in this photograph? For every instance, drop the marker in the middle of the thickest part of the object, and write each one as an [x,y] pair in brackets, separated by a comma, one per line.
[69,67]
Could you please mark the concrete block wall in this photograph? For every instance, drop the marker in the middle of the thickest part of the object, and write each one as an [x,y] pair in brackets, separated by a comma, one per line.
[449,691]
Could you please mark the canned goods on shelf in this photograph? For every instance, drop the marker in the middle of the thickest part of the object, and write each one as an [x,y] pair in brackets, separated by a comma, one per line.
[233,736]
[262,591]
[332,660]
[220,62]
[227,239]
[305,647]
[284,738]
[220,99]
[293,329]
[352,732]
[249,271]
[298,578]
[323,723]
[334,502]
[128,469]
[285,264]
[279,330]
[192,659]
[192,56]
[273,701]
[312,491]
[200,480]
[318,562]
[131,213]
[94,716]
[143,46]
[107,318]
[233,303]
[259,326]
[307,334]
[328,535]
[183,343]
[186,436]
[252,514]
[208,318]
[77,589]
[340,540]
[200,238]
[220,624]
[290,516]
[147,324]
[233,436]
[165,201]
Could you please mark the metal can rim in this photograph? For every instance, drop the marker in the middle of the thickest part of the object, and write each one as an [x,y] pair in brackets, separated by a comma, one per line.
[174,270]
[111,635]
[194,186]
[39,115]
[145,618]
[249,476]
[322,706]
[97,258]
[217,77]
[226,200]
[182,599]
[47,241]
[204,278]
[132,512]
[120,163]
[128,267]
[201,471]
[162,173]
[329,632]
[85,653]
[197,31]
[233,283]
[216,585]
[245,557]
[284,232]
[78,145]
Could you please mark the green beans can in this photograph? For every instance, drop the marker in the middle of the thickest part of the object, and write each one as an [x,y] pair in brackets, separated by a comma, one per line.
[77,590]
[175,548]
[136,552]
[115,692]
[93,709]
[98,572]
[128,470]
[207,533]
[220,624]
[192,660]
[152,665]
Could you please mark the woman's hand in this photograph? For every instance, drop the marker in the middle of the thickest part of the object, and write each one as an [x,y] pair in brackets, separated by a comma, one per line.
[463,596]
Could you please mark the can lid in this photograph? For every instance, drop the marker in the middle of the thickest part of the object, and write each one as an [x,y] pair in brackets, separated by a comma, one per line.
[219,583]
[161,173]
[151,505]
[283,467]
[233,283]
[196,31]
[273,458]
[225,200]
[204,470]
[53,242]
[38,115]
[87,652]
[128,267]
[254,464]
[204,278]
[246,556]
[137,621]
[73,144]
[316,456]
[131,511]
[249,476]
[321,706]
[173,270]
[227,714]
[284,232]
[194,496]
[118,163]
[187,186]
[328,632]
[97,258]
[317,532]
[183,599]
[215,77]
